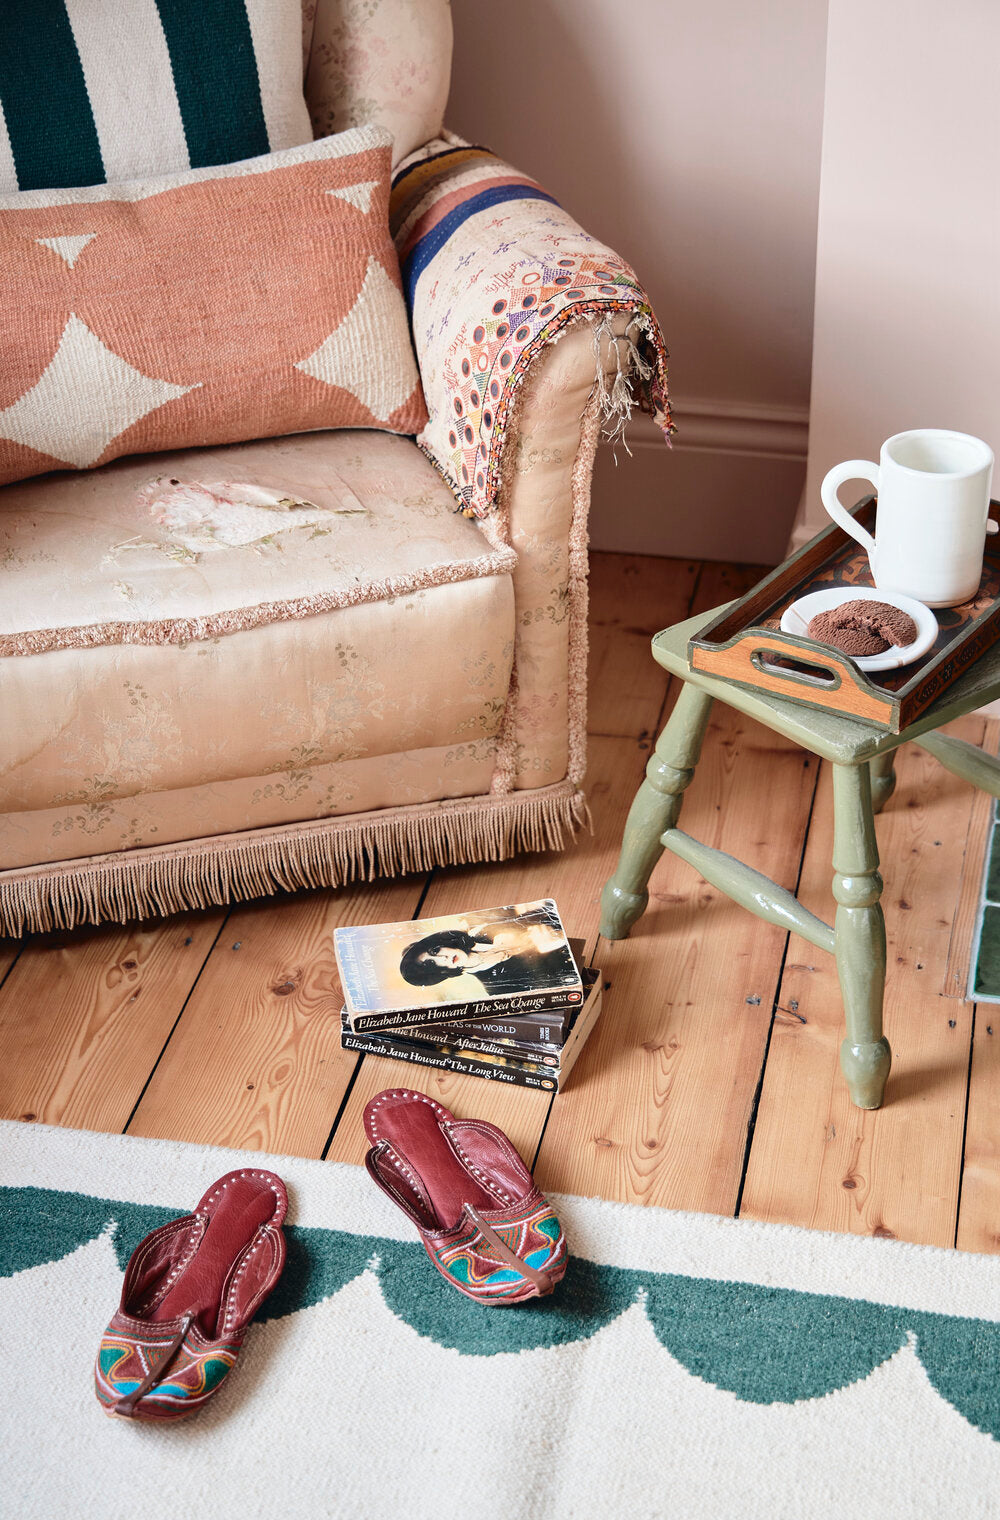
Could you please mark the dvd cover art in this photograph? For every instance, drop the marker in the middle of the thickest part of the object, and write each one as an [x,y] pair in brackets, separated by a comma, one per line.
[496,953]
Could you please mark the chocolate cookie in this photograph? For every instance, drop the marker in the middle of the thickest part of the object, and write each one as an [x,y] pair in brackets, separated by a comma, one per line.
[851,640]
[863,628]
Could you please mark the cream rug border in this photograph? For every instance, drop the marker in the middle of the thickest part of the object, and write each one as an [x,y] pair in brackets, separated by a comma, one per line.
[334,1195]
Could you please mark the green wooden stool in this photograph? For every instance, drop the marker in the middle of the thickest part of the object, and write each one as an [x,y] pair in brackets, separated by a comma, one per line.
[863,781]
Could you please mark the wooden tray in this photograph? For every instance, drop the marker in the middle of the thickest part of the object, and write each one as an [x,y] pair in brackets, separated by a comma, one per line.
[745,644]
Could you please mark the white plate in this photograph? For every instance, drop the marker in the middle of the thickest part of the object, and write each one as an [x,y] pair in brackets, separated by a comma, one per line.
[797,617]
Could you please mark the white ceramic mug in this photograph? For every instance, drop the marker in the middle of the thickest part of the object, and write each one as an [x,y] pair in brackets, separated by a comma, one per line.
[933,500]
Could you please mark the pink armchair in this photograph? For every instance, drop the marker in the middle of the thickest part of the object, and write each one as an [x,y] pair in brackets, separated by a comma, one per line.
[391,680]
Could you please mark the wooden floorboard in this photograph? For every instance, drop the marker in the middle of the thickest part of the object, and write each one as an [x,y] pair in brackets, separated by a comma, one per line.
[172,1030]
[84,1016]
[255,1061]
[955,982]
[979,1204]
[979,1211]
[10,949]
[658,1108]
[631,598]
[817,1160]
[659,1104]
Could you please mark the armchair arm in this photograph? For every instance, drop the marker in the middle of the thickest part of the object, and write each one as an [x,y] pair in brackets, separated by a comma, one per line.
[493,271]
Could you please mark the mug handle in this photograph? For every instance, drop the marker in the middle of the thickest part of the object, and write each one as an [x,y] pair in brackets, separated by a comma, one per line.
[851,469]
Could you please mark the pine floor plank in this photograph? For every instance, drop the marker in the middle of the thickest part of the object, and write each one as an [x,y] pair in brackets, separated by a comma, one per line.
[84,1016]
[10,949]
[658,1107]
[255,1062]
[979,1211]
[720,582]
[979,1206]
[631,598]
[955,981]
[816,1160]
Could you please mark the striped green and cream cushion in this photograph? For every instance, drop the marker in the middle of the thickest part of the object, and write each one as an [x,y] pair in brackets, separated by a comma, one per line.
[95,91]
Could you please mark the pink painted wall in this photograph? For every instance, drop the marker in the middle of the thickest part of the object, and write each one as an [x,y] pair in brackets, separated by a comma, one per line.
[687,137]
[907,327]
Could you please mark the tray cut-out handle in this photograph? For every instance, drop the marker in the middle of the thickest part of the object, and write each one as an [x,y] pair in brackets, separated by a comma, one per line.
[787,666]
[810,672]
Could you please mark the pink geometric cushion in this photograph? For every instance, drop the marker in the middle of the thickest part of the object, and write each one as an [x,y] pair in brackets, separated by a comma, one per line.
[246,301]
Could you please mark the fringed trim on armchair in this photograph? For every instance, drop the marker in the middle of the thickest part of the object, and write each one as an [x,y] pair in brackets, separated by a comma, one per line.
[232,867]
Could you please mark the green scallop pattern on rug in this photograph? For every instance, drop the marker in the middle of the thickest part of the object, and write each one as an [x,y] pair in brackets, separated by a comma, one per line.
[765,1345]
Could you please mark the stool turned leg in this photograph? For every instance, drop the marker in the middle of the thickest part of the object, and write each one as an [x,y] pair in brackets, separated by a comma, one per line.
[656,808]
[883,770]
[859,935]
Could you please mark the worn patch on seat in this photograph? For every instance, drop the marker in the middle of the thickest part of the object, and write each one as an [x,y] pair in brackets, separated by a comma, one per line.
[227,514]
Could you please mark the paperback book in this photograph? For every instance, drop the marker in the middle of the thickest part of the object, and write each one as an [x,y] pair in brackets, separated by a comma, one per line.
[542,1033]
[531,1029]
[495,965]
[463,1039]
[512,1066]
[460,1035]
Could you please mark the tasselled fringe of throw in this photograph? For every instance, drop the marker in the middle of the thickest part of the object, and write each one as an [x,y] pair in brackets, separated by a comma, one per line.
[633,370]
[174,879]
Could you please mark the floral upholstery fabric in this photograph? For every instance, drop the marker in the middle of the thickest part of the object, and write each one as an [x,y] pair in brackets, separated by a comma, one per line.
[544,507]
[118,556]
[345,655]
[125,700]
[89,820]
[387,61]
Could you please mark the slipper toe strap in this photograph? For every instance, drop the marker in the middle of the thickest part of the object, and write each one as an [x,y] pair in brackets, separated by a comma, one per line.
[542,1280]
[126,1405]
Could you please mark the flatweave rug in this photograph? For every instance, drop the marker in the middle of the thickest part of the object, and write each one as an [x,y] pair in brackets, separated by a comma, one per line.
[688,1365]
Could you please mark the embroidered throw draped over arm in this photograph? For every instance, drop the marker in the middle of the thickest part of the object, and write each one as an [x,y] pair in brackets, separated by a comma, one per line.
[493,271]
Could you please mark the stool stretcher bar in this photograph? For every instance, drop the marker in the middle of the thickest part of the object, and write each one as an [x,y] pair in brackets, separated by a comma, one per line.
[751,889]
[965,760]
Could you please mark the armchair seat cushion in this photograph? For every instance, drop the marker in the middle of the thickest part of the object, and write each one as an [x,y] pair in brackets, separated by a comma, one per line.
[158,638]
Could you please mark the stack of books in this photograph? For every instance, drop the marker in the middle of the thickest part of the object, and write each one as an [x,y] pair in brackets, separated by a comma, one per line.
[497,993]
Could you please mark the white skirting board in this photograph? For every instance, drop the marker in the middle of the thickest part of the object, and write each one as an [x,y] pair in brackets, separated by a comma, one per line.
[728,489]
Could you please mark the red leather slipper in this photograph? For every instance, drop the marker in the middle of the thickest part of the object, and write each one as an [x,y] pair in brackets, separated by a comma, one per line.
[483,1222]
[190,1290]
